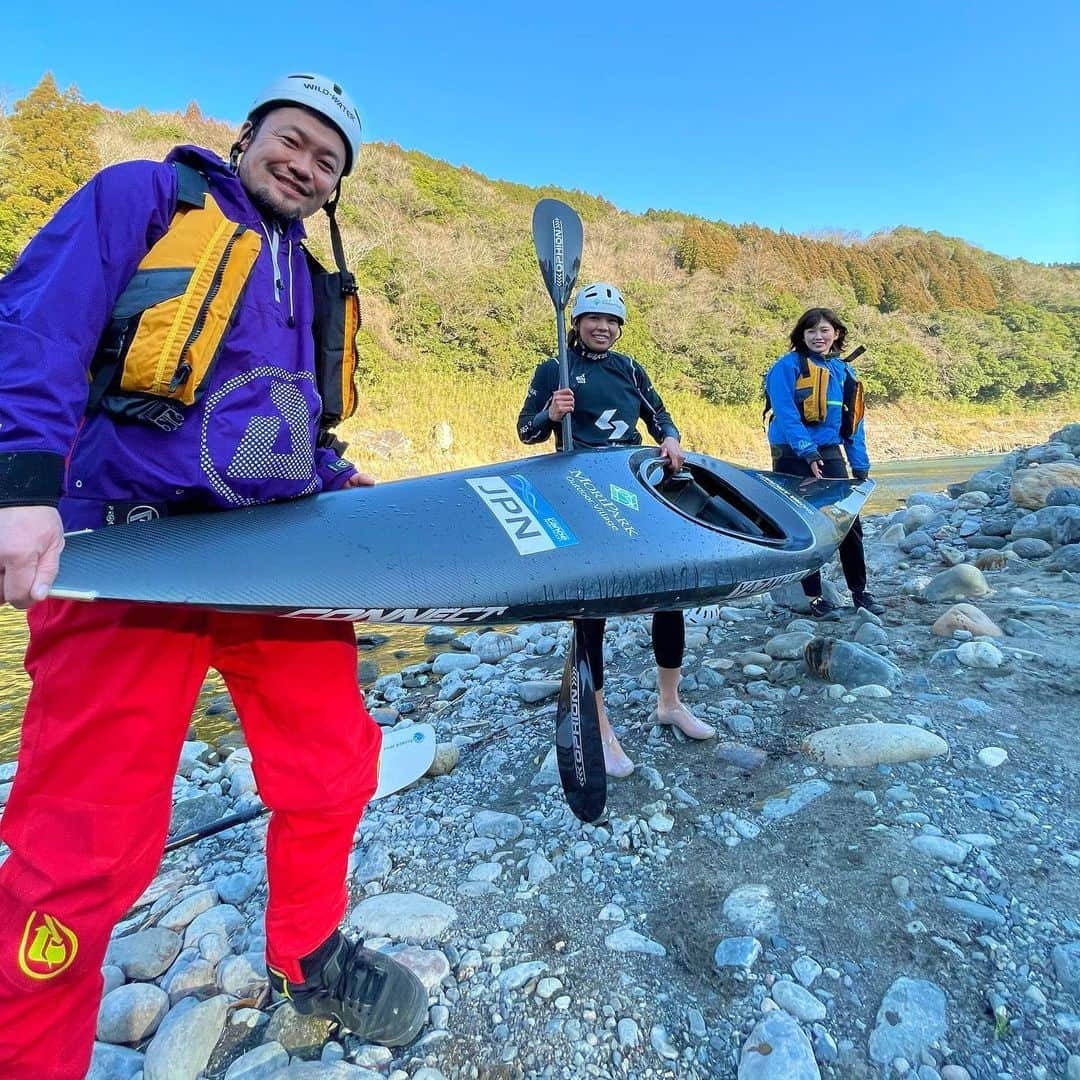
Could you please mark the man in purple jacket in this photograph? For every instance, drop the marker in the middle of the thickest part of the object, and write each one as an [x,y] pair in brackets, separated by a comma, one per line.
[100,422]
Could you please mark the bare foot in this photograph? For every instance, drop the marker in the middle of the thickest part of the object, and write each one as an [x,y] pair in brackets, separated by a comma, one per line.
[616,763]
[681,717]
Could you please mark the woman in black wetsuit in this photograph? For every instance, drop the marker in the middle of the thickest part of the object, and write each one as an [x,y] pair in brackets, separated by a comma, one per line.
[610,394]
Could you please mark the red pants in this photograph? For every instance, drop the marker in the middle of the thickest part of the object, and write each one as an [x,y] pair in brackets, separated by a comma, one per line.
[114,686]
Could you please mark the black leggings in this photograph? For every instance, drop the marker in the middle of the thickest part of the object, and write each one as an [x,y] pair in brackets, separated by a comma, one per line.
[852,555]
[668,642]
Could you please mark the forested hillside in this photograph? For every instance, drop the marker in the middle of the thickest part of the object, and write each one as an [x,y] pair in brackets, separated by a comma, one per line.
[456,315]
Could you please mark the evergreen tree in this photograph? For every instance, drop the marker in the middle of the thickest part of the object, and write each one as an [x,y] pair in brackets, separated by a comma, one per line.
[48,153]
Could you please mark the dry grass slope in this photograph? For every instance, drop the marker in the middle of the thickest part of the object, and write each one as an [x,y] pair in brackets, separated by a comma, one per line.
[455,317]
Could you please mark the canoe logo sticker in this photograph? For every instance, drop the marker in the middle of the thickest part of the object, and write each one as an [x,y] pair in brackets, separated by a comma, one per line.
[752,588]
[524,514]
[606,508]
[48,946]
[624,497]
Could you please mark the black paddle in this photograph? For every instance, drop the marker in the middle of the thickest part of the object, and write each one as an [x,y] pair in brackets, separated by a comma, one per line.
[557,238]
[578,746]
[579,749]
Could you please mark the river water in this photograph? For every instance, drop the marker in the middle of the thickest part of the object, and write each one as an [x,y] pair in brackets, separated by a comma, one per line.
[895,481]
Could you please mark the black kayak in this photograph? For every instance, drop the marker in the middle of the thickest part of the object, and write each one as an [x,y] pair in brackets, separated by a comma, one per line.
[588,533]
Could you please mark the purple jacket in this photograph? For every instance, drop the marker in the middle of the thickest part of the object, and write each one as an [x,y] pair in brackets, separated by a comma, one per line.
[251,436]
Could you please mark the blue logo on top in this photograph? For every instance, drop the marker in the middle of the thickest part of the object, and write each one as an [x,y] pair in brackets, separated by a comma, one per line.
[557,529]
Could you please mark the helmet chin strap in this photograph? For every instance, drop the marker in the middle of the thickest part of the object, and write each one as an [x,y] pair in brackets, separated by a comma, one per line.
[330,208]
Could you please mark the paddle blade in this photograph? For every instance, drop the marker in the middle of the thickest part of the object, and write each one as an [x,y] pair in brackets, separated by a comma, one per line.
[578,747]
[557,237]
[407,754]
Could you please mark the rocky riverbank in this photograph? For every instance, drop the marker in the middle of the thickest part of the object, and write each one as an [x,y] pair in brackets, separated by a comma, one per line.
[895,897]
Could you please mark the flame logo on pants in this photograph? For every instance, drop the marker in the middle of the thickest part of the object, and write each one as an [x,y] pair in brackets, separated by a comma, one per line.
[48,947]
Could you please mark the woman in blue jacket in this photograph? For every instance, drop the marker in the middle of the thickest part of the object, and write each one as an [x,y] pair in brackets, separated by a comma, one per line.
[816,422]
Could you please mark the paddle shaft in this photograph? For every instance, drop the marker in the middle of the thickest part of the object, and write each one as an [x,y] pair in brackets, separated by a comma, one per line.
[564,380]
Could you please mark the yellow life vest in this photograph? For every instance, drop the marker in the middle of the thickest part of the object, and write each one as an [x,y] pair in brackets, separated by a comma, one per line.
[167,328]
[811,395]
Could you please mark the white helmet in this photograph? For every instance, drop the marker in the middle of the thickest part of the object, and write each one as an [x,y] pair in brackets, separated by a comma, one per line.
[599,298]
[322,96]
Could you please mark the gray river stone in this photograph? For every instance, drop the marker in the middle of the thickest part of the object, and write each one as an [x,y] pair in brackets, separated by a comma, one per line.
[296,1033]
[941,848]
[114,1063]
[495,646]
[1067,966]
[514,978]
[223,920]
[806,970]
[777,1049]
[1056,524]
[402,916]
[533,690]
[1066,558]
[131,1013]
[242,976]
[916,540]
[850,664]
[497,826]
[740,952]
[957,583]
[751,908]
[146,954]
[872,744]
[538,868]
[186,1038]
[194,813]
[980,654]
[788,646]
[336,1070]
[370,863]
[790,801]
[260,1063]
[1063,496]
[454,661]
[800,1003]
[190,975]
[1030,547]
[916,516]
[178,916]
[911,1017]
[626,940]
[973,912]
[868,634]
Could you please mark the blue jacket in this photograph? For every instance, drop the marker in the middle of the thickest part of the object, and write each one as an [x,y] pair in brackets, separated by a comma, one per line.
[787,426]
[251,438]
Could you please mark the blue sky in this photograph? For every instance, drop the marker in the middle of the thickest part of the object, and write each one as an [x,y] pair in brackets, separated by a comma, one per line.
[951,115]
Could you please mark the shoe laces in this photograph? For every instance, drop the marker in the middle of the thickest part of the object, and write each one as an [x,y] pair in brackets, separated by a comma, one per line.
[360,980]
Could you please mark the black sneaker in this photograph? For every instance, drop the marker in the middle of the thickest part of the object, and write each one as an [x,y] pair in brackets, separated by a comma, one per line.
[866,600]
[368,993]
[821,608]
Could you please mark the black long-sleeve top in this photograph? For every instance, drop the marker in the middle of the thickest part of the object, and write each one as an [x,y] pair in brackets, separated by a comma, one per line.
[611,394]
